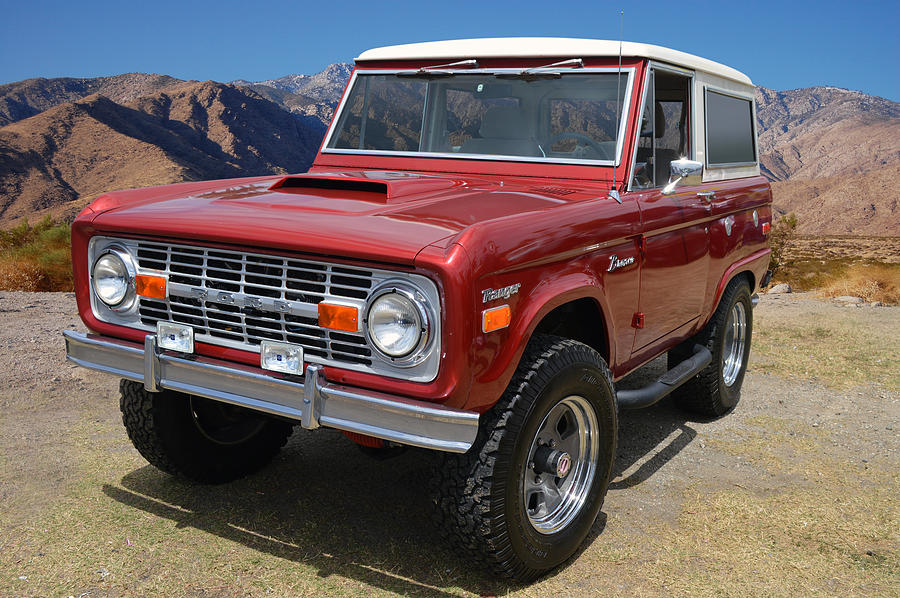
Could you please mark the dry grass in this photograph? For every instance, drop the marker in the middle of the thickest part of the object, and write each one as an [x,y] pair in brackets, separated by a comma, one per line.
[872,282]
[867,267]
[36,258]
[838,346]
[793,494]
[833,528]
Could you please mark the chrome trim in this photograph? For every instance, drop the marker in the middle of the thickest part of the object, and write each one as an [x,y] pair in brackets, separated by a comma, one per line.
[620,142]
[733,344]
[312,402]
[426,316]
[552,503]
[256,304]
[692,150]
[129,301]
[637,132]
[151,366]
[312,396]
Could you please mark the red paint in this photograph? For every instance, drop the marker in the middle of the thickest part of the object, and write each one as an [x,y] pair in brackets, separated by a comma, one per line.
[471,225]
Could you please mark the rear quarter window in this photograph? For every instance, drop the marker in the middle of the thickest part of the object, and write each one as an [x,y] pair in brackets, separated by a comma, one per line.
[730,138]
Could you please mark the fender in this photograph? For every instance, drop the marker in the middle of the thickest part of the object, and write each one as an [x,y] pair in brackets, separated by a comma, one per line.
[755,263]
[499,353]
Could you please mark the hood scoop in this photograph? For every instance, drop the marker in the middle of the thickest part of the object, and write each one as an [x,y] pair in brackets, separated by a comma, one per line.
[332,184]
[380,186]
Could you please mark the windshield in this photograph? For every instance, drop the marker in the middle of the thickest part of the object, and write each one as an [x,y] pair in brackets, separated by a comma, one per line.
[529,115]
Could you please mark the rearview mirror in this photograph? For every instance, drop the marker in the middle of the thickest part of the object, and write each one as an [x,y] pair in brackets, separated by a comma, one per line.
[683,172]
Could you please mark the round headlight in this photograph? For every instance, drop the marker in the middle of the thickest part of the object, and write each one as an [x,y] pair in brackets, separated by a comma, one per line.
[396,324]
[110,279]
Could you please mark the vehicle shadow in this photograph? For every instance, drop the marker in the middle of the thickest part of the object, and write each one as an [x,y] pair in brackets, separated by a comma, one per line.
[648,438]
[324,504]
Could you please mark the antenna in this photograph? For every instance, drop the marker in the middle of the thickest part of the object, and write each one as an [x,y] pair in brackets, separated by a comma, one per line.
[614,193]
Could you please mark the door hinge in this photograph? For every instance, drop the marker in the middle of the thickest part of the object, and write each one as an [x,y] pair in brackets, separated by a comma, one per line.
[637,321]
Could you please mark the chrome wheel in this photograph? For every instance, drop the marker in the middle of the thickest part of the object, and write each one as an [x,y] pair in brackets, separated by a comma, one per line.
[561,465]
[733,346]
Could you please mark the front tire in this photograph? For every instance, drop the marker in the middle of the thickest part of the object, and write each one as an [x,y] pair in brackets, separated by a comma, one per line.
[716,390]
[512,500]
[203,440]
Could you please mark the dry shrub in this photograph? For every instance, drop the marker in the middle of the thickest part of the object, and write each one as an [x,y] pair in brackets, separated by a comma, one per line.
[36,257]
[783,231]
[22,275]
[871,282]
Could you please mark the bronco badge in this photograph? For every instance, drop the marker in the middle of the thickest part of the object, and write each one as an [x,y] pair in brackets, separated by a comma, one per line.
[615,263]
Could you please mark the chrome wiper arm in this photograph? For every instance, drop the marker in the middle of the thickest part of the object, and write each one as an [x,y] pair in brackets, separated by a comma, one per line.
[472,63]
[437,70]
[541,72]
[577,63]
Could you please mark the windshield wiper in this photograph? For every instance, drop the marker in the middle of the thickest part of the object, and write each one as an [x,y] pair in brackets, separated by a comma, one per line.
[539,72]
[436,70]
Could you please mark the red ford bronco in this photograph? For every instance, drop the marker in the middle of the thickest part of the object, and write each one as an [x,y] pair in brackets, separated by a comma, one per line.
[493,233]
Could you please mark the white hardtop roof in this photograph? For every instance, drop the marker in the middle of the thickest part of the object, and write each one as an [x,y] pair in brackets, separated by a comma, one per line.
[547,47]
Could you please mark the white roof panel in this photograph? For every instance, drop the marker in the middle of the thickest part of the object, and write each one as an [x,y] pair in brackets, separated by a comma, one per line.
[546,47]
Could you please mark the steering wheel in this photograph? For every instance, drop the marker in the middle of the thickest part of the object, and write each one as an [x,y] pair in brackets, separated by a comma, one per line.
[601,150]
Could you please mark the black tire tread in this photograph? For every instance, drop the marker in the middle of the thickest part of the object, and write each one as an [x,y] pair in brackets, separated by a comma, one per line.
[144,415]
[137,416]
[701,394]
[461,484]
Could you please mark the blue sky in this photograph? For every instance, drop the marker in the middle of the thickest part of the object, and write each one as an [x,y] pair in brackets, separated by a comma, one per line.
[781,44]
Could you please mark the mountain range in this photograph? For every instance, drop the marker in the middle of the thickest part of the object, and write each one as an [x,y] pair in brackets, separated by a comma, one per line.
[833,155]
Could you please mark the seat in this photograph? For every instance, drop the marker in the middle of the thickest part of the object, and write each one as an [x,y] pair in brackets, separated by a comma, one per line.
[503,132]
[664,156]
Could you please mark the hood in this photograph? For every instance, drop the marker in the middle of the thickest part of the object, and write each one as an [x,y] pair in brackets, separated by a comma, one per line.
[377,215]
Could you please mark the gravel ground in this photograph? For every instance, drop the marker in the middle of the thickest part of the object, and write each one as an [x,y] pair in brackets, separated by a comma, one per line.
[49,408]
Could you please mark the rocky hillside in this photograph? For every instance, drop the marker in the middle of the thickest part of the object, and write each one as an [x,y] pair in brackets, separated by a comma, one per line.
[26,98]
[326,86]
[61,158]
[834,158]
[309,95]
[833,154]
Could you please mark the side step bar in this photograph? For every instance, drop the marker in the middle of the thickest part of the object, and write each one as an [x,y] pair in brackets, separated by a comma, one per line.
[651,394]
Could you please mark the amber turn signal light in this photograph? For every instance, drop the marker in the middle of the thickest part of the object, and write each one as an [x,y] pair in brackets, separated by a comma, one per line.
[150,286]
[339,317]
[495,318]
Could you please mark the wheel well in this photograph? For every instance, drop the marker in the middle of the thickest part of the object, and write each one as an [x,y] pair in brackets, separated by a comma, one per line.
[751,280]
[747,274]
[580,320]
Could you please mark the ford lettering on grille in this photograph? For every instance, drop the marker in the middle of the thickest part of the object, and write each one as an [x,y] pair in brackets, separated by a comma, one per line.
[239,299]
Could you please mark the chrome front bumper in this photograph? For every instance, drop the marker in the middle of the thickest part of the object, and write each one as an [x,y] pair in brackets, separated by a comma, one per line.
[313,402]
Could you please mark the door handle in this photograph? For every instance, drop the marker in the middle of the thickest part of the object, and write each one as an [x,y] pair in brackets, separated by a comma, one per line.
[707,195]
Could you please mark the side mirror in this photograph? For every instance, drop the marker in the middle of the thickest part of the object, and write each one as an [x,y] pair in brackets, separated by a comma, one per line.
[684,172]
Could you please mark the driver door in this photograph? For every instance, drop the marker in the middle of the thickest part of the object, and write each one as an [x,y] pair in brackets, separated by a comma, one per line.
[675,235]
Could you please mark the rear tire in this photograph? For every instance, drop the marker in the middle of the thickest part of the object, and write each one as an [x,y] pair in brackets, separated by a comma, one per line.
[206,441]
[716,390]
[502,502]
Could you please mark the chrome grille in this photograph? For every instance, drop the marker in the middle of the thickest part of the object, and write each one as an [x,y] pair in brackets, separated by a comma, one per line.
[215,274]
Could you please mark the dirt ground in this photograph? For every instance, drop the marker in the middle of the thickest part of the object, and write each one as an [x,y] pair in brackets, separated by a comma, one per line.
[797,492]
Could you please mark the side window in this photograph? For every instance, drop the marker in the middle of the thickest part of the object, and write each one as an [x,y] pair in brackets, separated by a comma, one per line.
[729,130]
[665,128]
